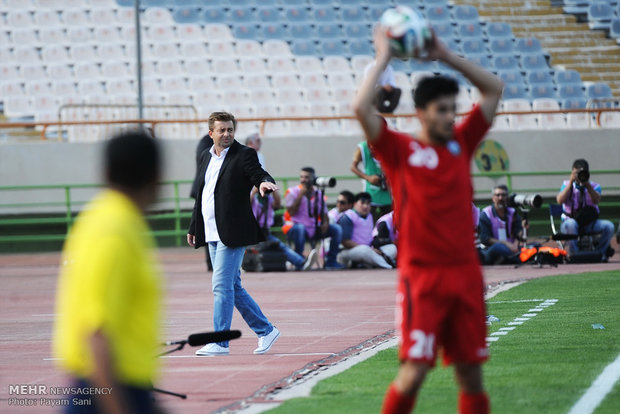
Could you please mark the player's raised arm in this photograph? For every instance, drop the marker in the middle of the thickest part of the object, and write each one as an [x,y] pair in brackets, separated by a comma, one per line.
[363,104]
[489,85]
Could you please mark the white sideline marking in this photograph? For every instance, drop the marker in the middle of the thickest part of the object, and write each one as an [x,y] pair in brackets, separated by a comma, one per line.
[517,301]
[598,390]
[544,304]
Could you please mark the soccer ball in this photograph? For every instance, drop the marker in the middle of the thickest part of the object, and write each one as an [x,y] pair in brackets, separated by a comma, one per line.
[407,30]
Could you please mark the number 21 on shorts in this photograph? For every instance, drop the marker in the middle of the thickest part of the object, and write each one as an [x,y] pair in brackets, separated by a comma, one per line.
[423,345]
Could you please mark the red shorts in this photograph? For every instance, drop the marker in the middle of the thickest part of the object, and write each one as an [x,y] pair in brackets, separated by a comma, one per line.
[442,307]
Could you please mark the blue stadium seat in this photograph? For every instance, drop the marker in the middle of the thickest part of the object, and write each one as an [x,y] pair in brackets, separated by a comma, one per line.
[533,61]
[328,31]
[571,91]
[353,14]
[321,2]
[302,31]
[444,30]
[357,3]
[186,15]
[357,30]
[543,91]
[539,76]
[568,76]
[453,45]
[323,14]
[471,29]
[376,11]
[360,47]
[515,92]
[598,90]
[465,13]
[333,47]
[303,47]
[268,14]
[511,77]
[599,15]
[437,14]
[503,46]
[296,14]
[435,3]
[505,62]
[614,27]
[473,46]
[275,31]
[302,3]
[528,45]
[186,3]
[498,30]
[245,31]
[154,3]
[483,60]
[573,103]
[214,15]
[242,15]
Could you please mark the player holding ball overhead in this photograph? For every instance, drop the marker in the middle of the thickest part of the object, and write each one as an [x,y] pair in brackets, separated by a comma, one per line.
[440,286]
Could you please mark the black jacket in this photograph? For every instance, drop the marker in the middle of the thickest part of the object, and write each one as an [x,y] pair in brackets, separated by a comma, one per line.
[235,221]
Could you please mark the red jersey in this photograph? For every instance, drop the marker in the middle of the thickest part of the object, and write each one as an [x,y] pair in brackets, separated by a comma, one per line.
[432,192]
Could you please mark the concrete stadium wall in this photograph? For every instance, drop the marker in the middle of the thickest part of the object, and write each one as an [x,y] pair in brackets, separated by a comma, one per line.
[42,163]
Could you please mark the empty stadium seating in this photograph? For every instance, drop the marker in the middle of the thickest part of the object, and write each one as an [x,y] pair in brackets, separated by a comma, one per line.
[84,52]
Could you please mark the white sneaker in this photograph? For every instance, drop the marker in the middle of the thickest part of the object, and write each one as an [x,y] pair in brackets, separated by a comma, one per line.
[311,260]
[212,350]
[265,342]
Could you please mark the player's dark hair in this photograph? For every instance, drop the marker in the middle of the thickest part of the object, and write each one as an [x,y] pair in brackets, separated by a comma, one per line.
[363,196]
[132,160]
[223,117]
[432,87]
[309,170]
[581,164]
[349,196]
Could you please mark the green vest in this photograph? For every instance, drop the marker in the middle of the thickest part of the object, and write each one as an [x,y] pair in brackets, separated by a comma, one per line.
[371,167]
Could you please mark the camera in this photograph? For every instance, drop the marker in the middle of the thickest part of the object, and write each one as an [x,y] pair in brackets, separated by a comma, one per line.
[583,175]
[525,200]
[325,182]
[383,182]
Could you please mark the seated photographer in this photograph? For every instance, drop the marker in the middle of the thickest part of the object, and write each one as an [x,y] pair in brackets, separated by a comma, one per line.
[387,93]
[580,198]
[357,225]
[306,217]
[385,235]
[374,179]
[264,211]
[344,202]
[500,229]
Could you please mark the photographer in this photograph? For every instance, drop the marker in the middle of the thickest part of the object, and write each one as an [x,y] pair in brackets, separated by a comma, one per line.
[501,230]
[306,217]
[580,198]
[387,93]
[374,179]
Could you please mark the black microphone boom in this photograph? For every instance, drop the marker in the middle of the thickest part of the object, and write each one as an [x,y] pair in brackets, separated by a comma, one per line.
[211,337]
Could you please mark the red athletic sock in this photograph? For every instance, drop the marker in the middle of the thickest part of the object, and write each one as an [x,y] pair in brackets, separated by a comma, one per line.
[473,403]
[396,402]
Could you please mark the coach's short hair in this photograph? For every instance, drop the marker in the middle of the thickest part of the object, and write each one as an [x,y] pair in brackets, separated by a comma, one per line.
[223,117]
[432,87]
[132,160]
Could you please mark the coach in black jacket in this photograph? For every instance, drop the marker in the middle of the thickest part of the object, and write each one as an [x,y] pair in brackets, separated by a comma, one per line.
[223,218]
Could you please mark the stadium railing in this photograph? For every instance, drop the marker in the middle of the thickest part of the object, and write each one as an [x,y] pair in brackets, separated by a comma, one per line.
[170,216]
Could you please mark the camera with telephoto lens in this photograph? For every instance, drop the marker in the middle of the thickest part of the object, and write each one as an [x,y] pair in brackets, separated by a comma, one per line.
[325,182]
[583,175]
[525,200]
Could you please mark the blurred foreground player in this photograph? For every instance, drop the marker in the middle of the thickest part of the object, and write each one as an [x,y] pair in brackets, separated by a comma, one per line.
[440,292]
[108,299]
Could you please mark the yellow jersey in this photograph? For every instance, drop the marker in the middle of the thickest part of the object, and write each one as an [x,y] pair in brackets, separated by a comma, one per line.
[109,280]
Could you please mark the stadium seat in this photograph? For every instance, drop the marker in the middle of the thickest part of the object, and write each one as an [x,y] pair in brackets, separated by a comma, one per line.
[352,14]
[169,68]
[221,48]
[610,120]
[357,30]
[340,79]
[303,47]
[483,60]
[313,80]
[308,64]
[115,69]
[52,35]
[79,35]
[511,77]
[325,14]
[256,81]
[226,81]
[276,47]
[280,64]
[198,83]
[252,64]
[190,50]
[614,27]
[248,47]
[242,15]
[158,15]
[437,14]
[473,47]
[576,120]
[119,87]
[90,87]
[301,31]
[359,63]
[38,87]
[59,72]
[533,62]
[317,94]
[539,76]
[520,121]
[86,70]
[549,121]
[74,17]
[515,92]
[598,91]
[336,64]
[186,15]
[165,50]
[82,53]
[24,37]
[465,13]
[599,15]
[19,19]
[273,31]
[17,106]
[360,47]
[328,31]
[47,18]
[376,11]
[63,88]
[266,97]
[217,31]
[285,80]
[471,29]
[444,30]
[542,90]
[498,30]
[333,48]
[571,91]
[502,46]
[214,15]
[26,55]
[224,65]
[296,14]
[528,45]
[268,14]
[111,52]
[505,62]
[323,126]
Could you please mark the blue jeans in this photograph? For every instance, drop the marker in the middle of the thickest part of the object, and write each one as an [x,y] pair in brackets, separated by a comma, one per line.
[291,255]
[500,250]
[604,227]
[229,294]
[298,235]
